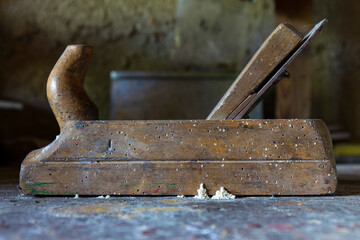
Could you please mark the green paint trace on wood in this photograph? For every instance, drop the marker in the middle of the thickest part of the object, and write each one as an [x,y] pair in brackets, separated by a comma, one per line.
[34,184]
[156,183]
[167,184]
[29,188]
[130,185]
[37,192]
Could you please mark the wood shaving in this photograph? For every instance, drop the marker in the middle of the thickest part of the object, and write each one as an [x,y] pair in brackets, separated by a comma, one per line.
[201,193]
[223,194]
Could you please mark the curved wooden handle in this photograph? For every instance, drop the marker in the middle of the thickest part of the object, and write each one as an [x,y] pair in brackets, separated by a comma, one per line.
[65,86]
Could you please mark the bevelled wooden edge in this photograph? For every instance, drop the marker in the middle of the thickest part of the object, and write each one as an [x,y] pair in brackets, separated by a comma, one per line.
[281,42]
[247,157]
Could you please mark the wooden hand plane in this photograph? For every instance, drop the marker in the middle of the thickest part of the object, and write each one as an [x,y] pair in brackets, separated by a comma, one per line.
[173,157]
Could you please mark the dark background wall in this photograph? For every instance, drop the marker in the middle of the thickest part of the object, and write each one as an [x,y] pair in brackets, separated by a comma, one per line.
[154,35]
[336,65]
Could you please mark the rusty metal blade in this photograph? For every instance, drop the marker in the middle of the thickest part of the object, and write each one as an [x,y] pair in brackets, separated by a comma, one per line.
[252,100]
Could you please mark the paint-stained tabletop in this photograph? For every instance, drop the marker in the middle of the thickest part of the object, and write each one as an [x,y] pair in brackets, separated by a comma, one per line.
[319,217]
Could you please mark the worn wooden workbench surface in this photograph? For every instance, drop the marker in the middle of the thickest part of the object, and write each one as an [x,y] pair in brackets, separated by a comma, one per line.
[325,217]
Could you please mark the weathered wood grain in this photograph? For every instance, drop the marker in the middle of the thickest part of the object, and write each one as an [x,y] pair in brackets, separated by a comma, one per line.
[247,157]
[293,95]
[274,50]
[65,86]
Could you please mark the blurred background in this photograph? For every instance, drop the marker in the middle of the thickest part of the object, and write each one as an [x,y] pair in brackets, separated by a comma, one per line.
[174,59]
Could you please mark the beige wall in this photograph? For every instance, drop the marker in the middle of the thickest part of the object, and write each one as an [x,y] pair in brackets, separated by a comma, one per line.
[171,35]
[127,35]
[134,34]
